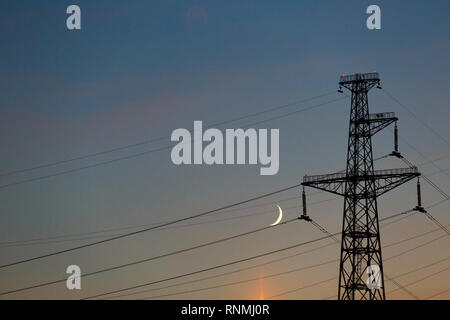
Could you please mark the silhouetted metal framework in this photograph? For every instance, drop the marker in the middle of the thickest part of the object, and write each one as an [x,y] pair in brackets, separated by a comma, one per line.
[361,185]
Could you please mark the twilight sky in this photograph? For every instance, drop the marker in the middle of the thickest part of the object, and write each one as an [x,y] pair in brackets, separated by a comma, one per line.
[140,69]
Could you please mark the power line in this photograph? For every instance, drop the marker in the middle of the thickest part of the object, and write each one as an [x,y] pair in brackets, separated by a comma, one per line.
[263,264]
[301,288]
[434,160]
[147,229]
[150,151]
[444,194]
[86,156]
[31,242]
[424,278]
[431,183]
[209,268]
[428,160]
[413,212]
[164,228]
[438,172]
[404,240]
[419,246]
[409,284]
[417,118]
[242,281]
[322,229]
[437,203]
[153,258]
[399,286]
[420,268]
[227,264]
[43,240]
[148,141]
[223,274]
[411,238]
[293,112]
[389,278]
[334,278]
[83,167]
[431,217]
[436,294]
[172,253]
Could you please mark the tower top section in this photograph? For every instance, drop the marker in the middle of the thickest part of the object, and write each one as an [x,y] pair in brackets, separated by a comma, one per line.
[359,77]
[359,81]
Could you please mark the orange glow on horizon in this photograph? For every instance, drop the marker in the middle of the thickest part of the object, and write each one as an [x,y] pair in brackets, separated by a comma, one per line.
[261,288]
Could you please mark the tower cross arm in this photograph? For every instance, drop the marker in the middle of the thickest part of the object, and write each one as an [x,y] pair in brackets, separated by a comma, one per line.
[385,180]
[377,122]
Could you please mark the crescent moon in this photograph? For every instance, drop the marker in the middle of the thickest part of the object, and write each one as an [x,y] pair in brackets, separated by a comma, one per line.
[280,216]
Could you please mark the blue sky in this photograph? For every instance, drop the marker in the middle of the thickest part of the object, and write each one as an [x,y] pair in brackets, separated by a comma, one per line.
[138,70]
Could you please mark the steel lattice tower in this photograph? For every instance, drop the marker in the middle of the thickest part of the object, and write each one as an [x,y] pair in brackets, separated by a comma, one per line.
[360,185]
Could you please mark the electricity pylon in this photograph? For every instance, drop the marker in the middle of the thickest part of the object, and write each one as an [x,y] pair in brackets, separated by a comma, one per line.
[361,266]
